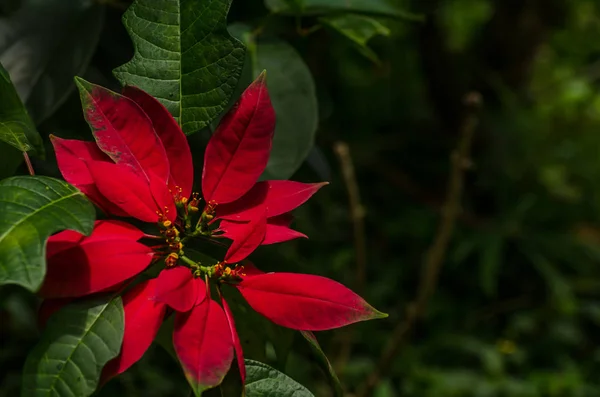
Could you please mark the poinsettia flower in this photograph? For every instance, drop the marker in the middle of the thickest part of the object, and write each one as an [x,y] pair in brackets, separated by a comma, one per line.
[235,157]
[79,265]
[140,164]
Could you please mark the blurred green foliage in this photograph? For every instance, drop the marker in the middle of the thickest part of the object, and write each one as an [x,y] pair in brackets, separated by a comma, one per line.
[517,308]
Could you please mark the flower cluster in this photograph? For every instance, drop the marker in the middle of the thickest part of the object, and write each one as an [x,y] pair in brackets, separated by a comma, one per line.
[140,166]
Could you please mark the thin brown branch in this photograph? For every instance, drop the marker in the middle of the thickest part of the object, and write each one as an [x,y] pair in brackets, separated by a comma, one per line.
[436,253]
[357,212]
[357,216]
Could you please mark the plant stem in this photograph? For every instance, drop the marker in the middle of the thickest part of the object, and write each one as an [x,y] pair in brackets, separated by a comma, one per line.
[28,162]
[436,253]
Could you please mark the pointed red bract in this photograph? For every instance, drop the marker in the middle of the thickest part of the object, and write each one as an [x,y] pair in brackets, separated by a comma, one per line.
[238,151]
[304,301]
[123,131]
[105,258]
[173,139]
[143,317]
[246,239]
[237,345]
[71,156]
[277,233]
[203,344]
[277,230]
[130,193]
[276,197]
[178,288]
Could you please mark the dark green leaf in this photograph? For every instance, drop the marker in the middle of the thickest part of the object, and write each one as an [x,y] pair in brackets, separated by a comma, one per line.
[16,128]
[292,92]
[31,209]
[311,7]
[265,381]
[323,362]
[76,344]
[184,56]
[10,160]
[359,29]
[44,45]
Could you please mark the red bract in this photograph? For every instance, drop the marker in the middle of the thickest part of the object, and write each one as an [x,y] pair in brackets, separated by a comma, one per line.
[141,165]
[238,151]
[79,265]
[235,157]
[203,344]
[143,317]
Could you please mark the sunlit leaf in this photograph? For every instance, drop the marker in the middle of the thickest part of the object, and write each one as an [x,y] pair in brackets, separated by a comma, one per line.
[184,57]
[31,209]
[265,381]
[76,344]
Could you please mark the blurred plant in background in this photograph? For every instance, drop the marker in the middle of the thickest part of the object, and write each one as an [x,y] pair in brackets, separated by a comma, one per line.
[380,86]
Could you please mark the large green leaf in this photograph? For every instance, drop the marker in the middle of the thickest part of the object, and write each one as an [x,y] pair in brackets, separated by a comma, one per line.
[323,362]
[265,381]
[76,344]
[389,8]
[44,45]
[294,98]
[16,128]
[359,29]
[31,209]
[184,56]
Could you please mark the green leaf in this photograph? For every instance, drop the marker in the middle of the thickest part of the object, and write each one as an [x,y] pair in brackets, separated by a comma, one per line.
[184,56]
[44,45]
[16,128]
[76,344]
[324,362]
[31,209]
[10,160]
[294,98]
[265,381]
[359,29]
[388,8]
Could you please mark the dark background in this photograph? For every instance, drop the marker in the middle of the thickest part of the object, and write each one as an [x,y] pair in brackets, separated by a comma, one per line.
[516,308]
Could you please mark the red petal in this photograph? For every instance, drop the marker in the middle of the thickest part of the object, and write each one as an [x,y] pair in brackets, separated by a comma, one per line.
[71,156]
[143,317]
[276,230]
[203,344]
[304,301]
[278,197]
[95,263]
[237,345]
[246,239]
[123,131]
[178,288]
[129,192]
[251,270]
[238,151]
[112,228]
[173,139]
